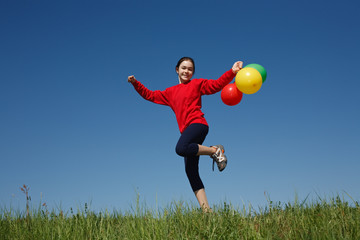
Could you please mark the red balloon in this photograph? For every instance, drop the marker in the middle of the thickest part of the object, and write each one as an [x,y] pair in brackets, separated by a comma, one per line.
[230,95]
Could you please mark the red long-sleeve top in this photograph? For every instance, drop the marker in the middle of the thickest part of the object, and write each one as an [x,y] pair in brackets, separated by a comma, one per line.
[185,99]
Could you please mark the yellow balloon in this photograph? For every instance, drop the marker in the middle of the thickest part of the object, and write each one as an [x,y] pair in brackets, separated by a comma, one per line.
[248,80]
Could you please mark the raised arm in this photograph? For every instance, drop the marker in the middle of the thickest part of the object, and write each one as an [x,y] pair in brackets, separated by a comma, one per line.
[214,86]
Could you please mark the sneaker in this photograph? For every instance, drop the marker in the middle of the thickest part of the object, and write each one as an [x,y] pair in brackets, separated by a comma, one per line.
[219,157]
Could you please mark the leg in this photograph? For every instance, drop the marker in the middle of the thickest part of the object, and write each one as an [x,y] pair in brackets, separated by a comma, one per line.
[192,172]
[202,199]
[188,146]
[203,150]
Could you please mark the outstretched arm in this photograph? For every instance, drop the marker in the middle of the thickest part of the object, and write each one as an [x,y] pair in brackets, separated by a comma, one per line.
[156,96]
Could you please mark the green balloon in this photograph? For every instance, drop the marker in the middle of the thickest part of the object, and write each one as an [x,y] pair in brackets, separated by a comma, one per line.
[260,69]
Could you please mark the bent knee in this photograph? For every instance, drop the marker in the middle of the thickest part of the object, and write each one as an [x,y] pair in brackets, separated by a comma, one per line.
[187,150]
[181,151]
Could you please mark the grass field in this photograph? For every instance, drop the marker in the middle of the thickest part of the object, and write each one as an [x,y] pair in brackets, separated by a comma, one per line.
[333,218]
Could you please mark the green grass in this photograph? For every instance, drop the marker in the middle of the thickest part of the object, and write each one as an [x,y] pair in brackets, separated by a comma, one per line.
[321,219]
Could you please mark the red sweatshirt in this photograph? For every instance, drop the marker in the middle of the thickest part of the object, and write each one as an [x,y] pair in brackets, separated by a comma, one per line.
[185,99]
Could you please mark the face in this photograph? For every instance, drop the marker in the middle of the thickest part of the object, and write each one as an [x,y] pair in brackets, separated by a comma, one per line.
[185,71]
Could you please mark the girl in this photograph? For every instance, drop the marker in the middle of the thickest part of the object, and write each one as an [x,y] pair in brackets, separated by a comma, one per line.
[185,100]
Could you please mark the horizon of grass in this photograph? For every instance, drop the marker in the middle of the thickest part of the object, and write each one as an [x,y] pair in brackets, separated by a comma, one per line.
[332,218]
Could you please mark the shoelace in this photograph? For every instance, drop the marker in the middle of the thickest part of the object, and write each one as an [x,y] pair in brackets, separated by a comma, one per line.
[217,156]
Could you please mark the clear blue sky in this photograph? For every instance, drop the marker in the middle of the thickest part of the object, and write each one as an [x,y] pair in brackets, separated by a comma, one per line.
[76,132]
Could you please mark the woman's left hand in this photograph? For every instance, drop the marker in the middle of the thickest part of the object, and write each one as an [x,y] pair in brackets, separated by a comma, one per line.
[237,66]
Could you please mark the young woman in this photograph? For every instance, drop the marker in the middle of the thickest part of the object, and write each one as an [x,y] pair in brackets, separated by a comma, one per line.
[185,100]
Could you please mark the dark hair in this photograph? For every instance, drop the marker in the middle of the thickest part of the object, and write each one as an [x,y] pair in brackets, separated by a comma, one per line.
[185,59]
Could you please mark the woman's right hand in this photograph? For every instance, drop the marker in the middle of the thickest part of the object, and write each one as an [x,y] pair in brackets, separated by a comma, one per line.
[131,79]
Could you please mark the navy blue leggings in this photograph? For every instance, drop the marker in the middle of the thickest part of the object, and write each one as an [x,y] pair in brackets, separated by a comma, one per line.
[187,147]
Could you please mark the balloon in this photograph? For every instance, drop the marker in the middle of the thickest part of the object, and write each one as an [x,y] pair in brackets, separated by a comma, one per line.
[248,80]
[260,68]
[230,95]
